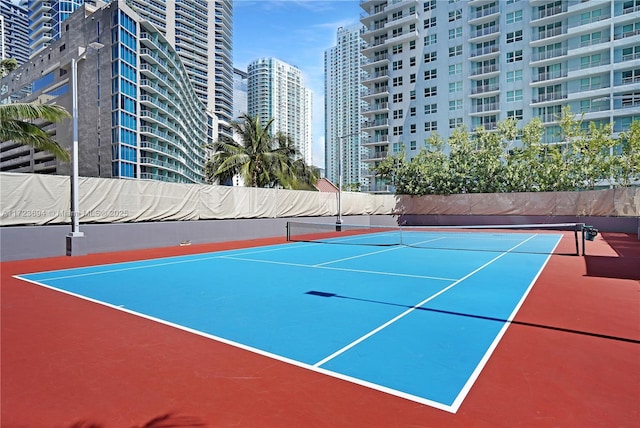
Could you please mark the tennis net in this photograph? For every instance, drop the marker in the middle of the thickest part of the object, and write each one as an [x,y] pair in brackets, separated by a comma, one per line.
[525,238]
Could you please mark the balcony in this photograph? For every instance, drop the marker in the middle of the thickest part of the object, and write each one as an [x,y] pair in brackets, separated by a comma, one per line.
[486,108]
[549,97]
[484,89]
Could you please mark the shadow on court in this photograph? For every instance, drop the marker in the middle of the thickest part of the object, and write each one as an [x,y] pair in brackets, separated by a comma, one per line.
[501,320]
[626,265]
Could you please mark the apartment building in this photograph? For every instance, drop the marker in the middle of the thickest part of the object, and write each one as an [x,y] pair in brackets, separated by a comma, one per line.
[45,21]
[435,65]
[201,32]
[276,91]
[343,107]
[138,114]
[14,31]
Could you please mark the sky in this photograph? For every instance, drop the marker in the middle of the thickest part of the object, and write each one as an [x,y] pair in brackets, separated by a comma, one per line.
[297,32]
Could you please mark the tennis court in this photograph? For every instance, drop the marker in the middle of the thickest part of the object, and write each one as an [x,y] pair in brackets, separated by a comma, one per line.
[415,314]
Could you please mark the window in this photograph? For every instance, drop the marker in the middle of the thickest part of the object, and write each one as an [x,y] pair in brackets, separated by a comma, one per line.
[430,108]
[455,51]
[590,83]
[412,112]
[431,92]
[455,87]
[514,36]
[514,95]
[430,56]
[412,61]
[632,53]
[454,15]
[398,114]
[630,29]
[412,145]
[429,22]
[589,17]
[397,65]
[412,94]
[455,105]
[431,39]
[590,39]
[412,128]
[590,61]
[454,33]
[631,76]
[454,123]
[397,98]
[412,78]
[397,81]
[431,74]
[517,114]
[455,69]
[397,130]
[430,5]
[431,126]
[514,56]
[513,17]
[514,76]
[396,49]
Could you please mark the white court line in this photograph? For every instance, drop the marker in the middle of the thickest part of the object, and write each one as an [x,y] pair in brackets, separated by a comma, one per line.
[258,351]
[371,253]
[413,308]
[374,272]
[189,259]
[476,373]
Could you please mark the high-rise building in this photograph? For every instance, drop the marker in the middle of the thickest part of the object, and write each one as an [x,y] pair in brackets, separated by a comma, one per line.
[14,31]
[45,21]
[240,93]
[434,65]
[138,114]
[276,91]
[345,145]
[201,33]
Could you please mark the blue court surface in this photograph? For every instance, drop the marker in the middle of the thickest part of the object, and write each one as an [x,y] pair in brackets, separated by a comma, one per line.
[414,322]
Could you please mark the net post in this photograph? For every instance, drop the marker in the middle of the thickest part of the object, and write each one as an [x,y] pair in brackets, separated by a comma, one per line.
[582,226]
[575,234]
[288,233]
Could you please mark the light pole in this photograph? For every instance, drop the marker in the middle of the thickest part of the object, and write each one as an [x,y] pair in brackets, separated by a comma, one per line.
[339,219]
[75,220]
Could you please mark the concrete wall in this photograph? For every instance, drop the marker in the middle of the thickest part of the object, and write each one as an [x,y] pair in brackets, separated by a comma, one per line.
[30,242]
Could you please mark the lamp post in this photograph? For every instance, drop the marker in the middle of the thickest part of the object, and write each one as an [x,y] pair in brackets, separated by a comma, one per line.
[339,218]
[75,221]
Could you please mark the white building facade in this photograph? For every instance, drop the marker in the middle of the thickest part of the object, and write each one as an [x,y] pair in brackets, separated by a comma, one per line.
[434,65]
[343,107]
[276,91]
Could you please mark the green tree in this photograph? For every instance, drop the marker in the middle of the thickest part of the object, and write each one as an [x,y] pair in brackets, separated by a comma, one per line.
[589,149]
[293,172]
[626,166]
[7,66]
[19,123]
[262,160]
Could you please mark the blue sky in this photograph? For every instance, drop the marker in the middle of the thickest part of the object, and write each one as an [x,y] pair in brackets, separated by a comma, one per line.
[296,32]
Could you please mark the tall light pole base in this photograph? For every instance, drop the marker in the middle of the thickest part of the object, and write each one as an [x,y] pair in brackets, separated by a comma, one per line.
[76,244]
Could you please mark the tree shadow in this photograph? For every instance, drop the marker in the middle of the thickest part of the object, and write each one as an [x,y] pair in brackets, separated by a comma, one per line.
[476,316]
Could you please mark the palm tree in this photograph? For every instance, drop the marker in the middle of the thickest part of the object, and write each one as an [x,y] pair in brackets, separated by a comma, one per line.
[261,160]
[17,124]
[7,66]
